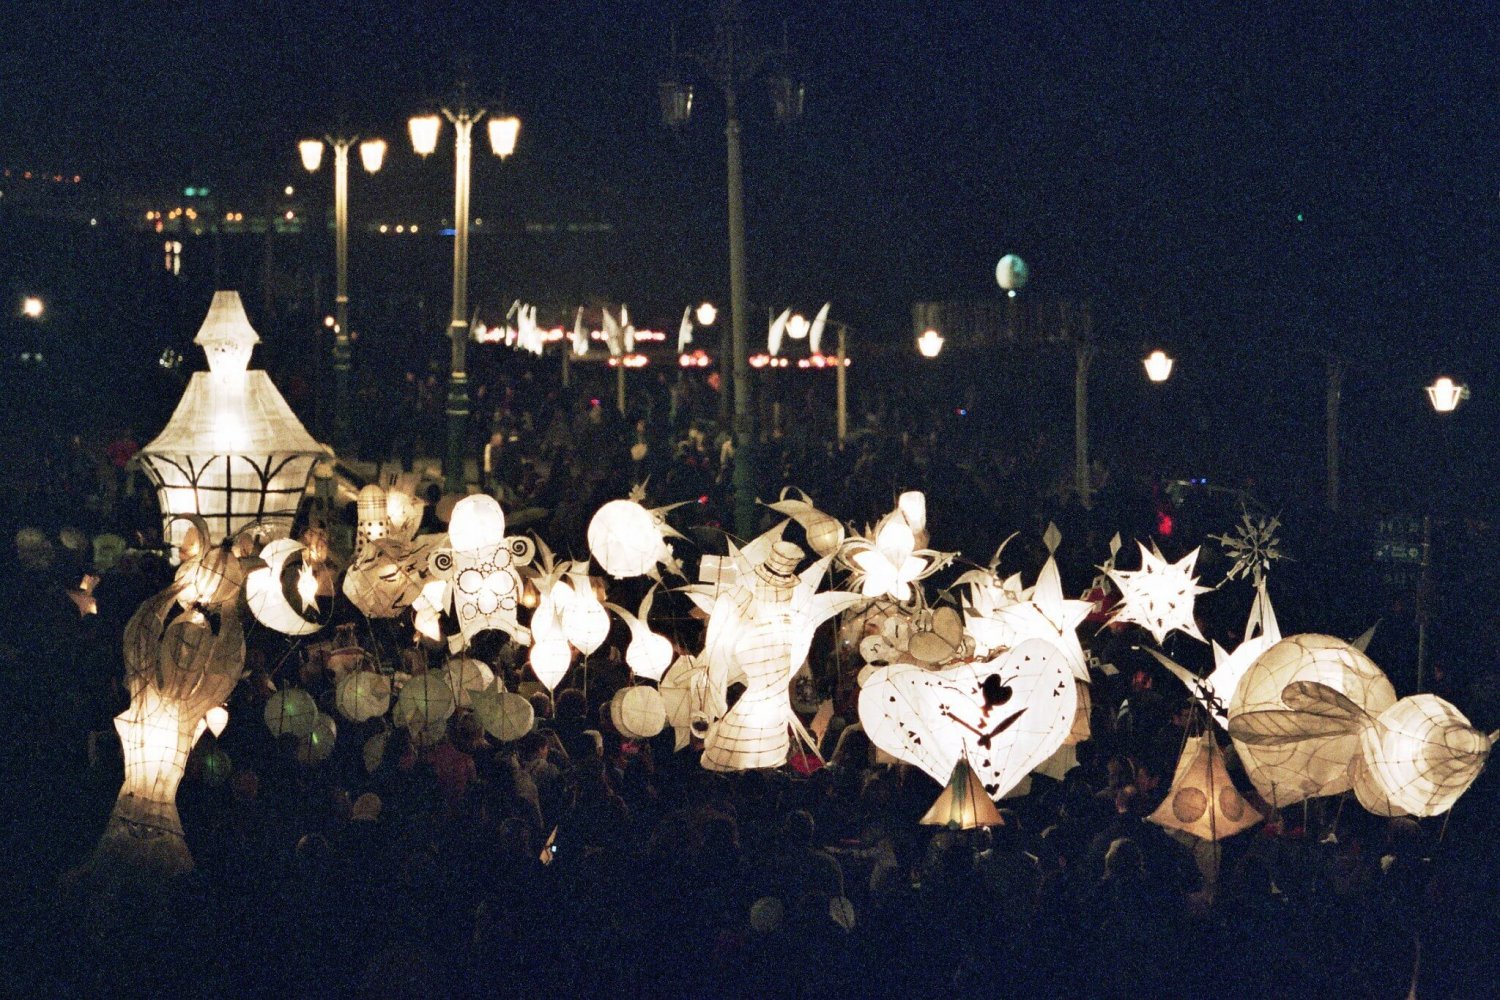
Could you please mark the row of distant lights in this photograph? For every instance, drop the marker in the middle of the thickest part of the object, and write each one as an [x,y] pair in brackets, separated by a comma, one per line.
[27,175]
[814,361]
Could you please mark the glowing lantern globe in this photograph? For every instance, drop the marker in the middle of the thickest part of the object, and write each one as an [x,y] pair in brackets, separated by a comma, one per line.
[550,660]
[233,451]
[638,712]
[585,623]
[626,538]
[1011,273]
[317,745]
[424,707]
[1424,754]
[291,710]
[362,695]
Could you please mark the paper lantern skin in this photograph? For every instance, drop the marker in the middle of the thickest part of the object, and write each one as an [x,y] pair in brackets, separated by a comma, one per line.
[266,590]
[507,717]
[362,695]
[465,676]
[626,539]
[1286,774]
[175,674]
[484,582]
[963,804]
[638,712]
[291,710]
[550,660]
[233,451]
[424,707]
[317,745]
[1423,754]
[1007,715]
[585,623]
[1202,800]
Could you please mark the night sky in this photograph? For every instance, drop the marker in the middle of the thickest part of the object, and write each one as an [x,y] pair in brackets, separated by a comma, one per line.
[1152,157]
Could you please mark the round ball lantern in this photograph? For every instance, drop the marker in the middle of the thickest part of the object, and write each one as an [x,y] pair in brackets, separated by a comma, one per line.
[625,538]
[291,710]
[1011,273]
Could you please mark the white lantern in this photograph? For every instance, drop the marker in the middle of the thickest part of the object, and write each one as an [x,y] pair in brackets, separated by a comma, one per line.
[626,539]
[317,745]
[466,675]
[1424,754]
[503,714]
[424,707]
[362,695]
[233,451]
[1160,595]
[266,590]
[477,522]
[706,314]
[1202,800]
[797,326]
[216,719]
[585,623]
[291,710]
[964,804]
[638,712]
[550,660]
[1312,764]
[1158,366]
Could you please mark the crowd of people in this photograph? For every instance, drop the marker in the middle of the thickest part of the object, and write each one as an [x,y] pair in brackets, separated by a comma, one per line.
[577,861]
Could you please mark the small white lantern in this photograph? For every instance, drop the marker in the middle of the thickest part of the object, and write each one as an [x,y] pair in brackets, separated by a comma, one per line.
[217,718]
[1445,394]
[638,712]
[550,660]
[706,314]
[797,326]
[1158,366]
[1011,273]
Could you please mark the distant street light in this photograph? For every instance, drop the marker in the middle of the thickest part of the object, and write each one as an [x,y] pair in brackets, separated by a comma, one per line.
[1158,366]
[797,326]
[33,307]
[371,153]
[503,131]
[930,344]
[707,314]
[1445,394]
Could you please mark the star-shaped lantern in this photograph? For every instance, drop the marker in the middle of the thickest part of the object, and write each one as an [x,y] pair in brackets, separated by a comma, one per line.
[1159,596]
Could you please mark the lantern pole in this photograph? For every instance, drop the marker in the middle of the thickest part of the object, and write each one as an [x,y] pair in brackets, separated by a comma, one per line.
[455,476]
[1335,370]
[841,388]
[620,384]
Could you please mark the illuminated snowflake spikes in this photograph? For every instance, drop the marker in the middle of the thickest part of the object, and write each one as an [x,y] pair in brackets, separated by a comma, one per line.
[1253,547]
[1159,596]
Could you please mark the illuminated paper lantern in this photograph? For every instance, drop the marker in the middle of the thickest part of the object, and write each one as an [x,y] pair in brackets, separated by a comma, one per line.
[1011,273]
[824,533]
[282,594]
[481,567]
[233,452]
[176,670]
[317,745]
[638,712]
[685,698]
[361,695]
[585,623]
[1160,595]
[424,707]
[1000,615]
[372,518]
[216,719]
[466,675]
[550,660]
[1288,766]
[1202,800]
[963,804]
[291,710]
[389,574]
[1424,754]
[1006,715]
[210,579]
[1215,691]
[503,714]
[1080,731]
[648,655]
[759,634]
[628,540]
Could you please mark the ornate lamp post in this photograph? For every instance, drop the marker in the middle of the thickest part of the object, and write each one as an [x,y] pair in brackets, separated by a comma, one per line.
[424,130]
[731,63]
[371,154]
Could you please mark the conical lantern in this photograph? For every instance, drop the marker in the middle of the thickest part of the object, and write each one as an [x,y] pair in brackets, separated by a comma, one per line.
[1202,800]
[964,804]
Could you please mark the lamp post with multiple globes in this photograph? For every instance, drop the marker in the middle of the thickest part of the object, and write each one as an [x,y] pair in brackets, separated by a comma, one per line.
[503,130]
[372,155]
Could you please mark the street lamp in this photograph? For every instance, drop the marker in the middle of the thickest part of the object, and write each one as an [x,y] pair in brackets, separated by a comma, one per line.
[1445,394]
[1158,366]
[33,307]
[503,130]
[930,344]
[706,314]
[371,153]
[731,63]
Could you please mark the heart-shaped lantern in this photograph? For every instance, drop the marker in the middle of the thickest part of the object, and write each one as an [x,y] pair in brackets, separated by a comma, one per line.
[1007,715]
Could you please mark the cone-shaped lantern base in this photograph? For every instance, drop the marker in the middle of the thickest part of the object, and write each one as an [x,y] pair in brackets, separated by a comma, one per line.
[964,804]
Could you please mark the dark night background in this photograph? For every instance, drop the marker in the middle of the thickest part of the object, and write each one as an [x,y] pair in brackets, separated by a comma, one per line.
[1243,188]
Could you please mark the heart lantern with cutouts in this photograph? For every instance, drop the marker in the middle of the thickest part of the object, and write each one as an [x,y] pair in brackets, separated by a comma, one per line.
[1006,715]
